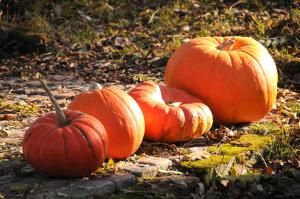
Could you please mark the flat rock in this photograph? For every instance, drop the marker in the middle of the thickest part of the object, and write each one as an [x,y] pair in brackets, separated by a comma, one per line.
[95,188]
[122,181]
[145,171]
[25,171]
[49,184]
[159,163]
[81,189]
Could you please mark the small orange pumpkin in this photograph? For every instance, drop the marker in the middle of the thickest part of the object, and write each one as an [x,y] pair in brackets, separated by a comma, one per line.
[235,76]
[171,115]
[120,115]
[65,143]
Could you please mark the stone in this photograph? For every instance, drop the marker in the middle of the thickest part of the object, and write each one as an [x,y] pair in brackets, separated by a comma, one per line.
[18,187]
[145,171]
[159,163]
[122,181]
[34,84]
[179,185]
[100,187]
[25,171]
[46,195]
[6,179]
[53,184]
[20,91]
[87,189]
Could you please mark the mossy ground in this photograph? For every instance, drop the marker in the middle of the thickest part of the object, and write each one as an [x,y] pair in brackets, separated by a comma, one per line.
[225,152]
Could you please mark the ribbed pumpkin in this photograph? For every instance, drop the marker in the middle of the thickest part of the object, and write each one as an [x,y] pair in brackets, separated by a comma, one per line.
[235,76]
[68,143]
[171,115]
[120,115]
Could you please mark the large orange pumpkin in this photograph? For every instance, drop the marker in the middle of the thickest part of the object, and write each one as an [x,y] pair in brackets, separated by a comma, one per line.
[171,115]
[235,76]
[120,115]
[68,143]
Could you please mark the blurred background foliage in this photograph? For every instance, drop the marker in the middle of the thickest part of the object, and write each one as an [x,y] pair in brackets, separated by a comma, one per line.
[146,30]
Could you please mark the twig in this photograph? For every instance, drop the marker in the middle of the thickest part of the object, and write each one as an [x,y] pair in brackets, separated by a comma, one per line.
[152,16]
[262,158]
[223,140]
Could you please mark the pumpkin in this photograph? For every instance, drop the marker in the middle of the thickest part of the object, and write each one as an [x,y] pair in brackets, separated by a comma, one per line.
[171,115]
[65,143]
[235,76]
[120,115]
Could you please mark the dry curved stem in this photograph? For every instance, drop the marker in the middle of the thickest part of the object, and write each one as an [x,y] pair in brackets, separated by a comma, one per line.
[227,44]
[95,86]
[61,118]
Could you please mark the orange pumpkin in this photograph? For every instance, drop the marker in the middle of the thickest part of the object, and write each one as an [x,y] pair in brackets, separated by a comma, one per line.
[171,115]
[235,76]
[68,143]
[120,115]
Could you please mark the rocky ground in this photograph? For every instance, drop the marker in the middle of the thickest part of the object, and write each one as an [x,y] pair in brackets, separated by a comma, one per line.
[229,162]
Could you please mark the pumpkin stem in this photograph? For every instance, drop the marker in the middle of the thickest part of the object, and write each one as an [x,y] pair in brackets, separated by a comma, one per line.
[61,118]
[226,45]
[95,86]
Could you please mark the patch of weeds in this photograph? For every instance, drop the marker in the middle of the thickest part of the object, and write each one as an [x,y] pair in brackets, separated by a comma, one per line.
[22,109]
[283,53]
[259,27]
[286,146]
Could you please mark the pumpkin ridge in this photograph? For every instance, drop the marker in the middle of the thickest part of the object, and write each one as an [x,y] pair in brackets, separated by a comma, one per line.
[202,120]
[131,116]
[208,117]
[85,138]
[186,111]
[41,144]
[65,149]
[210,75]
[30,134]
[264,77]
[35,141]
[62,133]
[83,122]
[232,105]
[190,80]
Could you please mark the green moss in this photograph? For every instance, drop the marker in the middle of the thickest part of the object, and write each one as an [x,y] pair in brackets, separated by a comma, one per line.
[294,106]
[267,127]
[212,161]
[250,142]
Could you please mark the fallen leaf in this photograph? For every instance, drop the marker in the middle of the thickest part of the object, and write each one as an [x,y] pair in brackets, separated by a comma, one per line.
[197,154]
[224,182]
[268,170]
